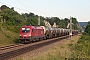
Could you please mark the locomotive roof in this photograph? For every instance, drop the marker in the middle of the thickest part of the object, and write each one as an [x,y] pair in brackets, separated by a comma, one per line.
[33,27]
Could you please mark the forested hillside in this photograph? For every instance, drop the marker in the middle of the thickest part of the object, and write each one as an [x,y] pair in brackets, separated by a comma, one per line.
[11,21]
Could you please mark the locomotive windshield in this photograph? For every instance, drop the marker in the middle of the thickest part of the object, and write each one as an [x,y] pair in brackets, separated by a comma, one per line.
[25,30]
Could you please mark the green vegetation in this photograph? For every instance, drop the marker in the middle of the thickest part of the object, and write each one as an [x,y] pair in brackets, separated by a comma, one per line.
[9,18]
[77,51]
[71,51]
[57,52]
[82,48]
[87,29]
[11,21]
[62,23]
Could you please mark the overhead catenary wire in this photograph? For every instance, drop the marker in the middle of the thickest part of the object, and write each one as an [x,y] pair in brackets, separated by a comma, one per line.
[41,13]
[31,8]
[14,7]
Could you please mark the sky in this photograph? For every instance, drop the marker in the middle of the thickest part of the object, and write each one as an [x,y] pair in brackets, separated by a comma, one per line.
[79,9]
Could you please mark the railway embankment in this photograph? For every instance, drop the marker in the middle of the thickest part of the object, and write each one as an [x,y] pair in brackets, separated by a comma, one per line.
[7,37]
[60,50]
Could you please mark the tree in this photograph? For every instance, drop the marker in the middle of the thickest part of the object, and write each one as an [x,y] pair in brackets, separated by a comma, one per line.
[4,7]
[87,29]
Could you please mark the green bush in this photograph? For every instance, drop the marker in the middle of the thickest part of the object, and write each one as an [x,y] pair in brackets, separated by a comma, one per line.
[16,40]
[82,47]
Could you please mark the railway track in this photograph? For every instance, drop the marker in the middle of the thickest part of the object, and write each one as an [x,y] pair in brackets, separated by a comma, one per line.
[10,46]
[11,51]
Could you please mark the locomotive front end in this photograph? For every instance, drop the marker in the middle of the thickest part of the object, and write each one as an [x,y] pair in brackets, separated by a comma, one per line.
[25,34]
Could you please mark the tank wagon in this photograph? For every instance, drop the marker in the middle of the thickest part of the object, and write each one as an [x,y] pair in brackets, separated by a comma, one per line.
[35,33]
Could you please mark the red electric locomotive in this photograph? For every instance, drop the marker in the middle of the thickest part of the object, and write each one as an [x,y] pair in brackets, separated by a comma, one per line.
[31,33]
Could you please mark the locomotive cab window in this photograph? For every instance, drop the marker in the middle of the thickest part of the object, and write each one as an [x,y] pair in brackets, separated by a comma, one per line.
[25,30]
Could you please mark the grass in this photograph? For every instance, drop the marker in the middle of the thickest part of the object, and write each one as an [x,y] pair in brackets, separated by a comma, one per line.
[52,54]
[82,47]
[57,52]
[7,37]
[73,48]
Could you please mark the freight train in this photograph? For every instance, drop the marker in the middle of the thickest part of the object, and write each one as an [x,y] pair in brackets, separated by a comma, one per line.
[35,33]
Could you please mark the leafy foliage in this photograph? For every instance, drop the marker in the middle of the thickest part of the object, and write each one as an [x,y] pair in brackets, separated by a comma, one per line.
[11,20]
[87,29]
[81,48]
[11,17]
[62,23]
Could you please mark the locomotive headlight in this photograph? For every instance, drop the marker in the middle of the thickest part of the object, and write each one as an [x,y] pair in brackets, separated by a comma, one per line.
[20,35]
[29,35]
